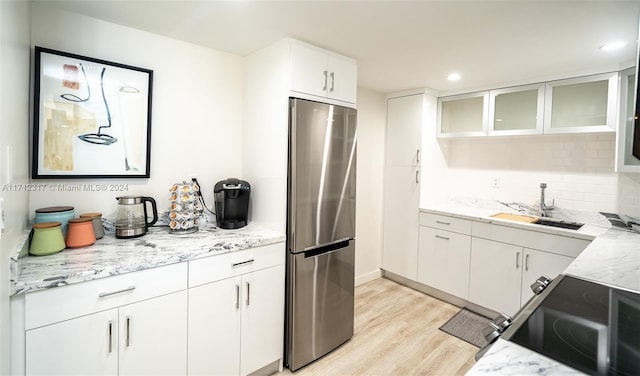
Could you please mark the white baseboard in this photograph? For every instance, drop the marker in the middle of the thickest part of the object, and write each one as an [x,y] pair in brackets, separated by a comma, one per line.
[368,277]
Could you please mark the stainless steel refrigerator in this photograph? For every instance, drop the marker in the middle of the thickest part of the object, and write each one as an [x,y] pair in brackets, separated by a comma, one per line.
[320,230]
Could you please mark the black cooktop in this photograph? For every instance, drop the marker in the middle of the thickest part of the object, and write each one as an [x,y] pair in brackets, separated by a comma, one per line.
[588,326]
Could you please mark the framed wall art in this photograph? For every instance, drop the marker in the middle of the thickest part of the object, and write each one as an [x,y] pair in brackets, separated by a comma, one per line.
[92,118]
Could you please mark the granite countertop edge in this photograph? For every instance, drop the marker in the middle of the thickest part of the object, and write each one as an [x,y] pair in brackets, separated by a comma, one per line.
[110,256]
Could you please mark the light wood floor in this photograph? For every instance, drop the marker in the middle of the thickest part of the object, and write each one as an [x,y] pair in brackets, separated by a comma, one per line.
[396,333]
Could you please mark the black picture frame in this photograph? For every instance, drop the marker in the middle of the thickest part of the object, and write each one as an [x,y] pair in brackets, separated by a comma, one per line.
[91,118]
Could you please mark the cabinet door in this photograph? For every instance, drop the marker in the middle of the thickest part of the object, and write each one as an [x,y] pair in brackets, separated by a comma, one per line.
[443,261]
[625,160]
[516,111]
[495,277]
[404,130]
[262,324]
[538,263]
[214,328]
[342,83]
[309,72]
[153,336]
[463,115]
[584,104]
[400,221]
[87,345]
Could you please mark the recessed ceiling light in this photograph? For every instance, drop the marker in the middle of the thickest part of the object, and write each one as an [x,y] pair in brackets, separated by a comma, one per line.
[454,77]
[613,46]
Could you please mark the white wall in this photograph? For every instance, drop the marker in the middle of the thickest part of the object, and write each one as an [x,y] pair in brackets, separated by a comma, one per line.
[14,131]
[197,106]
[578,170]
[372,118]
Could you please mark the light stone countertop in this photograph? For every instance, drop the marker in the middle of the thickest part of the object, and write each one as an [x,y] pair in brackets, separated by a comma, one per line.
[508,358]
[110,256]
[612,258]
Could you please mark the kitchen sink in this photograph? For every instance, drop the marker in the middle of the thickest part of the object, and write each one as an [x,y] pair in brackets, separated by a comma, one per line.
[558,223]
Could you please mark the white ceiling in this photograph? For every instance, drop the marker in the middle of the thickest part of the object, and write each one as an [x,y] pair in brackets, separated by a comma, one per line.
[402,45]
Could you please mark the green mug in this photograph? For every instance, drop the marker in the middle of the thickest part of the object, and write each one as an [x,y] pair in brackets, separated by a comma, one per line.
[47,239]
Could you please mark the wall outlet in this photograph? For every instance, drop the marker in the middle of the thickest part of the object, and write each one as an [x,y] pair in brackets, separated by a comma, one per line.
[495,182]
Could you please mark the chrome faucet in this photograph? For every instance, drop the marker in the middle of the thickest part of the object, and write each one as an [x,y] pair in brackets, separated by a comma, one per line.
[544,206]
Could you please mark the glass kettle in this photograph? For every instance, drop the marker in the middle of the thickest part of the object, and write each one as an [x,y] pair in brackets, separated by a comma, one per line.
[131,217]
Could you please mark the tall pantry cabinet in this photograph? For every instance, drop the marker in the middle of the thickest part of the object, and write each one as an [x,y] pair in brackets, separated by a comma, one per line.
[405,116]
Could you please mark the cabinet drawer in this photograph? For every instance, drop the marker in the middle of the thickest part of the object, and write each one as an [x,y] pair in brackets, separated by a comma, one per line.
[227,265]
[63,303]
[443,222]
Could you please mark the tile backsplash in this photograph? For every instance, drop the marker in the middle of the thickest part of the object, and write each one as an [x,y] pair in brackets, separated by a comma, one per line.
[578,170]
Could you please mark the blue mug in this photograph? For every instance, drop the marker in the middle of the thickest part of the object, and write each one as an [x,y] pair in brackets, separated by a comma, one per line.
[60,214]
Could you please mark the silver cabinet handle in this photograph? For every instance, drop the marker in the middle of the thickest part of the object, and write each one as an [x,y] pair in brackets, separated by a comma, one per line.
[417,177]
[333,81]
[110,336]
[443,223]
[442,237]
[526,262]
[242,263]
[517,260]
[104,294]
[237,296]
[128,330]
[324,88]
[248,292]
[418,156]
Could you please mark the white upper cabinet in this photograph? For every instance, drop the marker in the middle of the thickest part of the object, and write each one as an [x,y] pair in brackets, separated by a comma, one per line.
[517,110]
[404,130]
[583,104]
[576,105]
[625,161]
[323,73]
[463,115]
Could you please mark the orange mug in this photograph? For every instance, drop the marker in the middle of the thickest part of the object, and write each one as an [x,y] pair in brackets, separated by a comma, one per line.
[80,233]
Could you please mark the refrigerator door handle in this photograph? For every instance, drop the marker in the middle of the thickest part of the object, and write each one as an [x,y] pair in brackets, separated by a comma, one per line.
[326,248]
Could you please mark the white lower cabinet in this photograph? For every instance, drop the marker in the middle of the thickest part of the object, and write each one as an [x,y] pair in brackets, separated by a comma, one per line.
[214,344]
[489,264]
[87,345]
[218,315]
[131,324]
[501,273]
[236,312]
[262,328]
[443,260]
[246,333]
[538,263]
[153,336]
[496,274]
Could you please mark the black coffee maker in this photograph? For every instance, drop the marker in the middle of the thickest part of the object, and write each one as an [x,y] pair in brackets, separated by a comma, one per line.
[232,203]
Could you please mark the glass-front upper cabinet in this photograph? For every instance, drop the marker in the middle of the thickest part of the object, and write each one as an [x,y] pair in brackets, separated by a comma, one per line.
[463,115]
[516,110]
[584,104]
[625,161]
